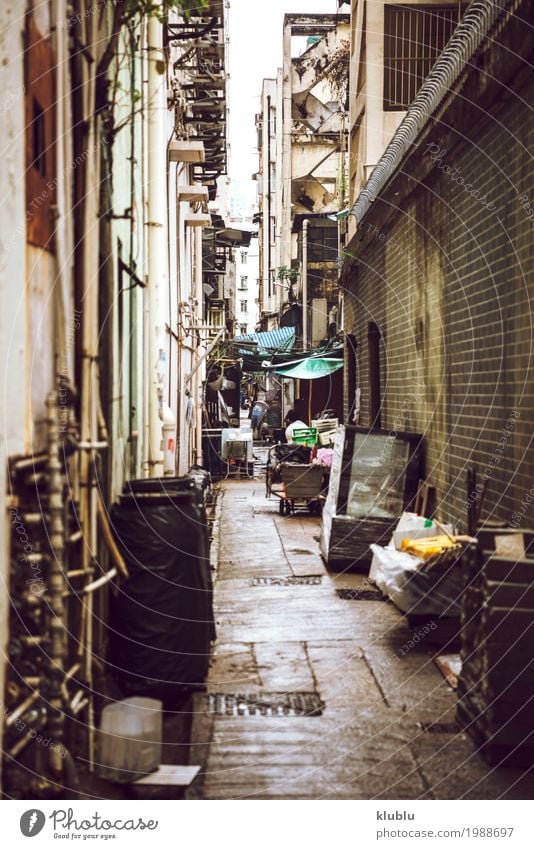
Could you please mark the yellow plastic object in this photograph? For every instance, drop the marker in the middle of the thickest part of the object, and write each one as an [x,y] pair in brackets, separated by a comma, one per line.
[426,548]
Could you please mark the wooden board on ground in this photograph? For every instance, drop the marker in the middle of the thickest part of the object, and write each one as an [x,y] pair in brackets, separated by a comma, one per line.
[171,775]
[450,666]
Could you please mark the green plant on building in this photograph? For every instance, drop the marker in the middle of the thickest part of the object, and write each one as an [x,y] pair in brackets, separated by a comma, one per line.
[147,7]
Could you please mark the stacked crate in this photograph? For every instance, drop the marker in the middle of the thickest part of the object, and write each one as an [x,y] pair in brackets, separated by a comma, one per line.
[496,684]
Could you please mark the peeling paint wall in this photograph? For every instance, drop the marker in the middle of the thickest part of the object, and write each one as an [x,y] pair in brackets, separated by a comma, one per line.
[12,293]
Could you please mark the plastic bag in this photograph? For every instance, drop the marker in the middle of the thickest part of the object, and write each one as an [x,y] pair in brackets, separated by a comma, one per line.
[417,590]
[161,618]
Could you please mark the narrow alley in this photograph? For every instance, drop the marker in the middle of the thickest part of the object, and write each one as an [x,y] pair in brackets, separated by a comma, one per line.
[266,418]
[381,720]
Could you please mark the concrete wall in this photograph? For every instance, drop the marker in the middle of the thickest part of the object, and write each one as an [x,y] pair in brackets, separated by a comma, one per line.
[249,268]
[12,290]
[269,144]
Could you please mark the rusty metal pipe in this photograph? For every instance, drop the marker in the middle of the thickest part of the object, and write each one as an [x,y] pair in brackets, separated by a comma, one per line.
[56,584]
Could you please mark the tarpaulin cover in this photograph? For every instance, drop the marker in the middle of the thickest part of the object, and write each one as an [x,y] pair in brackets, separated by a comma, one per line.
[312,368]
[161,618]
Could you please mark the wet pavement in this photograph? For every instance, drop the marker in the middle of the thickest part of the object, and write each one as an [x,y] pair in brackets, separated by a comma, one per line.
[386,729]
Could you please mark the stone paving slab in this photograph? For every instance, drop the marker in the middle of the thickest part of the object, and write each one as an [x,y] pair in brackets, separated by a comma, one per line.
[311,758]
[233,667]
[454,770]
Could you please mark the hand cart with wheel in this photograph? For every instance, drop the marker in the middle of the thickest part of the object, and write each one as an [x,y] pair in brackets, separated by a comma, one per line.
[282,453]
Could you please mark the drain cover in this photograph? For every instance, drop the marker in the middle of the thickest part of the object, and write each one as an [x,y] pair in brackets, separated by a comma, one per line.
[265,704]
[361,595]
[286,581]
[440,727]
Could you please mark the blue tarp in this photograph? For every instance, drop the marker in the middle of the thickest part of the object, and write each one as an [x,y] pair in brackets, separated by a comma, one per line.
[280,339]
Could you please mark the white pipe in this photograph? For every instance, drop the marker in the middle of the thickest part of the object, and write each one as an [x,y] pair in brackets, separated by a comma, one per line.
[305,284]
[62,307]
[285,224]
[168,420]
[100,582]
[158,280]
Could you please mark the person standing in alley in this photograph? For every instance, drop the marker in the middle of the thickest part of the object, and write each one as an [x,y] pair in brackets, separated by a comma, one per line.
[293,423]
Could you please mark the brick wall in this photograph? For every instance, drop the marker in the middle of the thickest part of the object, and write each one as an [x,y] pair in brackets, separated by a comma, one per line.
[448,280]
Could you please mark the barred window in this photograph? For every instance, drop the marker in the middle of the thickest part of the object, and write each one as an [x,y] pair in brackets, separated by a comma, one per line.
[414,37]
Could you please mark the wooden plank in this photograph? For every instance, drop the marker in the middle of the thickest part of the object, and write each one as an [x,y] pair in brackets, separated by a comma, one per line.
[450,666]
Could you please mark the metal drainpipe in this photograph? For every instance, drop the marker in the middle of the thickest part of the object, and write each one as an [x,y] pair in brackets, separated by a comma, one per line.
[133,295]
[305,284]
[269,202]
[90,390]
[157,247]
[198,377]
[56,587]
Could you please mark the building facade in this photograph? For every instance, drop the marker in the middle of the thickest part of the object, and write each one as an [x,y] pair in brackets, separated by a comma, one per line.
[302,177]
[393,46]
[438,277]
[114,139]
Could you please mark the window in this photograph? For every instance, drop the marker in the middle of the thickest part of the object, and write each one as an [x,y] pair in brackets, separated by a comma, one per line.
[243,306]
[216,318]
[244,257]
[243,329]
[414,36]
[243,283]
[322,242]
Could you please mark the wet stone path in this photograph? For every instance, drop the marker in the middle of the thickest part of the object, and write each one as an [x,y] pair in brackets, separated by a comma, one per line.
[313,696]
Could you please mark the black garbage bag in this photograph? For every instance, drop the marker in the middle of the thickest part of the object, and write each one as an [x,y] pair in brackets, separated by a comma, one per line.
[202,479]
[292,453]
[161,618]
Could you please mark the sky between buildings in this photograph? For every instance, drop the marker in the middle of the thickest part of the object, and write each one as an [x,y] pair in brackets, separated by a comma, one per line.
[255,54]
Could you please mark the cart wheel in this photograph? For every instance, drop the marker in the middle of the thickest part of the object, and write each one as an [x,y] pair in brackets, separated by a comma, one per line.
[282,507]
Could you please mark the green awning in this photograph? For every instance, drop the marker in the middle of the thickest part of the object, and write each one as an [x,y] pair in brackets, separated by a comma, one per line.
[312,368]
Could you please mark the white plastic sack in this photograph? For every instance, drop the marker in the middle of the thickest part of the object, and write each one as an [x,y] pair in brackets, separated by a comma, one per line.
[414,590]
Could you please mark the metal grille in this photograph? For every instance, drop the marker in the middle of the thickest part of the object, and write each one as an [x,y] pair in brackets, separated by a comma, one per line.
[361,595]
[265,704]
[286,581]
[414,37]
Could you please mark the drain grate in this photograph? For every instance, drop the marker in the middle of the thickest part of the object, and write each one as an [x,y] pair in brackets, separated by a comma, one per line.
[440,727]
[361,595]
[265,704]
[286,581]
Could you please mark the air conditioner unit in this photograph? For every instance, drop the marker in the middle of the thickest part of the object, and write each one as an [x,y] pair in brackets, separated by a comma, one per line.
[326,430]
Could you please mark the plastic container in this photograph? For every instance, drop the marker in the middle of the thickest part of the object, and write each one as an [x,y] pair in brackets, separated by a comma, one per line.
[161,618]
[129,740]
